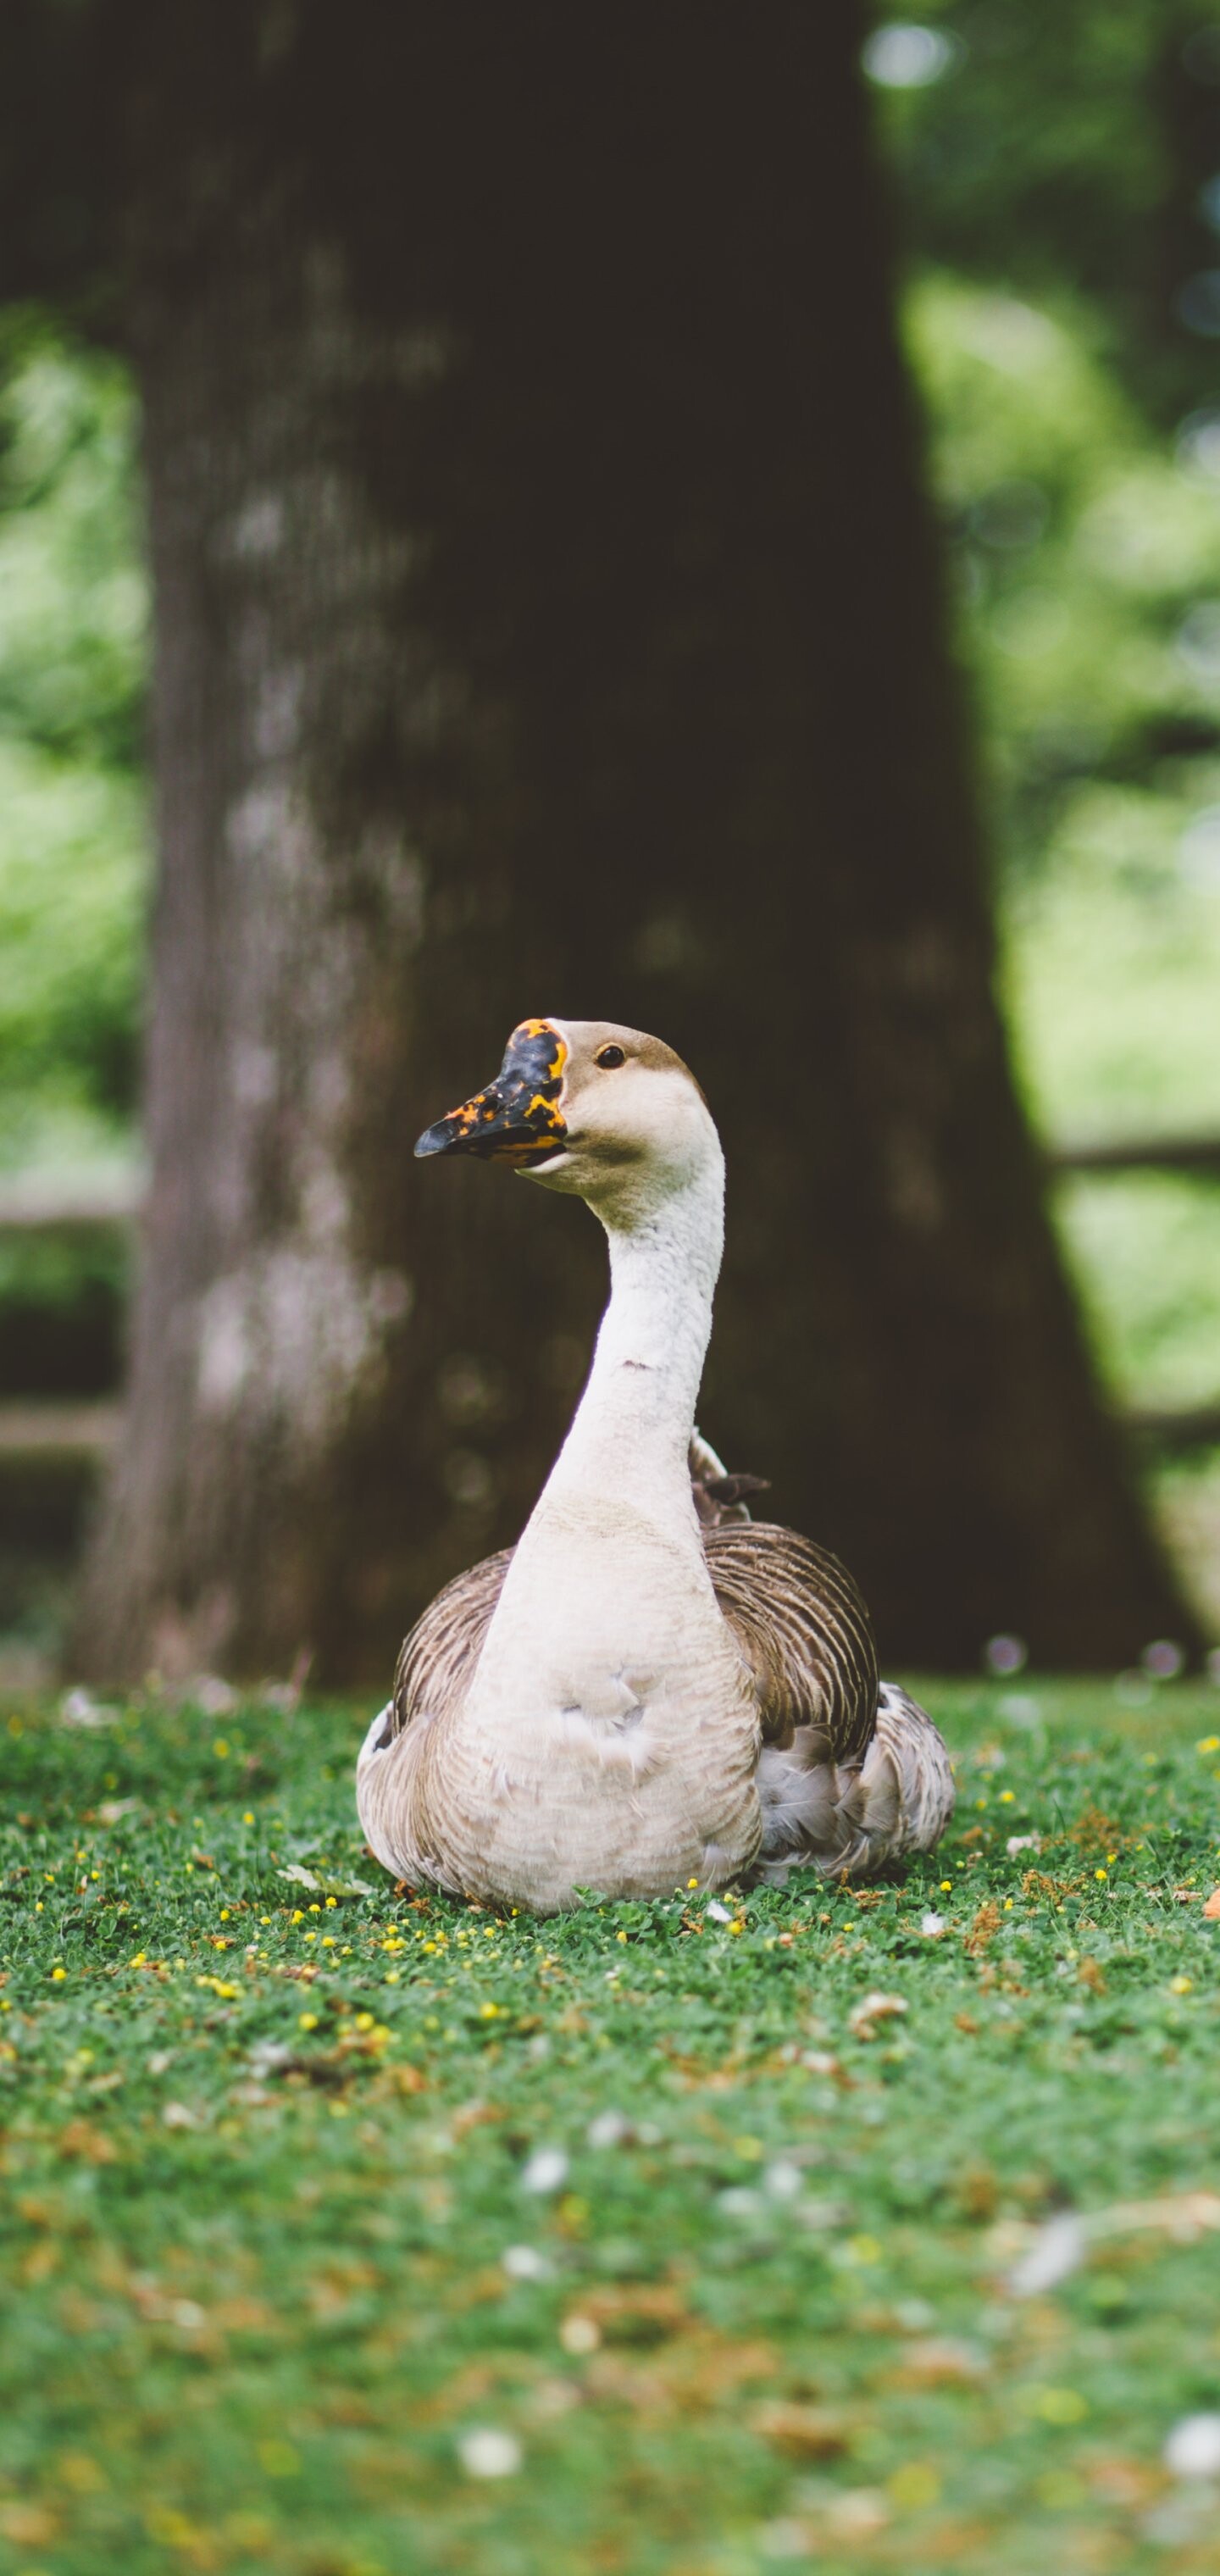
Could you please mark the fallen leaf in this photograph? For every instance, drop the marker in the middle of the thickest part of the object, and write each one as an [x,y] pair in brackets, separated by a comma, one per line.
[984,1928]
[863,2018]
[87,2144]
[1183,2215]
[1116,2478]
[1212,1907]
[323,1886]
[684,2375]
[639,2312]
[28,2526]
[942,2361]
[810,2432]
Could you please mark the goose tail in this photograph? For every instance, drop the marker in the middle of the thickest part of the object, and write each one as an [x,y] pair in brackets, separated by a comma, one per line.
[852,1819]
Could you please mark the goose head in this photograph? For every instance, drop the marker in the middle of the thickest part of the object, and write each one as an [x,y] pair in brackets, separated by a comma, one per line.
[604,1113]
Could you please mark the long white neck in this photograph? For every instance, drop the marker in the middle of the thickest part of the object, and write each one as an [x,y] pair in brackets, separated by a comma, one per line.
[631,1432]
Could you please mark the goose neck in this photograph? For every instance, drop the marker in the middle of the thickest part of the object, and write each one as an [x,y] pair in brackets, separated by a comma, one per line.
[635,1419]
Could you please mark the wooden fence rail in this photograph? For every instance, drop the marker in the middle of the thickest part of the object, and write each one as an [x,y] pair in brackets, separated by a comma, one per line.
[1197,1156]
[33,1205]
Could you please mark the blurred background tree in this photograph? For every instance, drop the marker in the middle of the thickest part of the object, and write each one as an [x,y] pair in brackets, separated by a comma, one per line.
[609,694]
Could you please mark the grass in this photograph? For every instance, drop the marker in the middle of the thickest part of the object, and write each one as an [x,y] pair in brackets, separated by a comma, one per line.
[319,2205]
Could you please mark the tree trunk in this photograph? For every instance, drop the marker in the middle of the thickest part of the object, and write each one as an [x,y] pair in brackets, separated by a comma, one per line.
[548,619]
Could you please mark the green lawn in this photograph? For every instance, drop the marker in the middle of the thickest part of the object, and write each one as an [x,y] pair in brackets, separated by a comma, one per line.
[321,2205]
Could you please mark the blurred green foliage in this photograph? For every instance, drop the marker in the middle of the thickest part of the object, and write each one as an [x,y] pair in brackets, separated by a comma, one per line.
[72,798]
[1059,200]
[1047,148]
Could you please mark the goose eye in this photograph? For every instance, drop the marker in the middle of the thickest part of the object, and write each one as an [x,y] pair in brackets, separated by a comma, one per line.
[608,1057]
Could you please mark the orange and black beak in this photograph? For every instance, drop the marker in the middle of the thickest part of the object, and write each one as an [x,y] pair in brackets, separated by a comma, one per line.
[516,1120]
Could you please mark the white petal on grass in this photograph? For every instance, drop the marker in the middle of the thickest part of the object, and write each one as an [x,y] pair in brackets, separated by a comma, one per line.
[739,2202]
[1057,2251]
[208,1692]
[488,2453]
[609,2129]
[525,2263]
[783,2181]
[545,2171]
[580,2334]
[1020,1708]
[932,1926]
[786,2538]
[1193,2447]
[717,1913]
[79,1708]
[856,2513]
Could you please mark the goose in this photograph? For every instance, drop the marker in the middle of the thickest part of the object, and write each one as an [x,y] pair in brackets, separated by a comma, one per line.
[651,1690]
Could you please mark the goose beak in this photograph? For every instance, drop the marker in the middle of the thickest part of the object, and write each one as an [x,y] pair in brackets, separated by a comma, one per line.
[516,1119]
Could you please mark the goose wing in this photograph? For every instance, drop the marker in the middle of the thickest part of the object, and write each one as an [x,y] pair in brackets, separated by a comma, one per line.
[852,1773]
[803,1632]
[437,1658]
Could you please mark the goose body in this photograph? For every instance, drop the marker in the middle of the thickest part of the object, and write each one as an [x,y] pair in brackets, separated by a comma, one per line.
[649,1688]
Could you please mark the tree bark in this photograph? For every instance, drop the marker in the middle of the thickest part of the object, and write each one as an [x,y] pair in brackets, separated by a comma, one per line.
[548,618]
